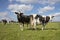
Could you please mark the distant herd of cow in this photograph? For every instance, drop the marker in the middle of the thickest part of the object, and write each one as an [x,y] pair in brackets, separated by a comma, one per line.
[33,20]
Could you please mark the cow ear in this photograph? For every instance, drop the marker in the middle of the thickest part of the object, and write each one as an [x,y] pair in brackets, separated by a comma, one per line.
[16,12]
[52,16]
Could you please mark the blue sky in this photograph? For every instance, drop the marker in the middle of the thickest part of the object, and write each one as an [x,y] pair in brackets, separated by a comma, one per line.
[28,7]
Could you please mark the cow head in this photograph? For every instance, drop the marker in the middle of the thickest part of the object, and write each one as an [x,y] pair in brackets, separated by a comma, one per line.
[20,14]
[38,17]
[51,17]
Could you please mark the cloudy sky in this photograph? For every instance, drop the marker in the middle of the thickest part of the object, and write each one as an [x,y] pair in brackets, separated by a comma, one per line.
[28,7]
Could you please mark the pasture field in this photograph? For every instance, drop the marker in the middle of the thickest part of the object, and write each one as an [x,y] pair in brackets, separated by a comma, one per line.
[13,32]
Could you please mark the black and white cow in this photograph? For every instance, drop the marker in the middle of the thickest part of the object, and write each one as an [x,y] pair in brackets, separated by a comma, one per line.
[4,21]
[22,19]
[44,20]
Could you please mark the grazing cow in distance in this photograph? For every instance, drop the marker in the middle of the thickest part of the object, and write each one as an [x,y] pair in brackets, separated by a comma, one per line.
[44,20]
[4,21]
[12,21]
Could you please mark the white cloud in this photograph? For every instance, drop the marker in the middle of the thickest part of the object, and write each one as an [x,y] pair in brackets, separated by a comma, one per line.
[57,14]
[37,1]
[27,1]
[3,14]
[22,7]
[53,1]
[50,2]
[45,9]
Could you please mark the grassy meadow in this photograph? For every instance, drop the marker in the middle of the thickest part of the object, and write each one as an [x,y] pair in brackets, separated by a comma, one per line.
[13,32]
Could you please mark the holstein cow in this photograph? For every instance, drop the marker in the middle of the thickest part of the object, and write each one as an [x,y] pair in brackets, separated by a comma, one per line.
[4,21]
[44,20]
[22,19]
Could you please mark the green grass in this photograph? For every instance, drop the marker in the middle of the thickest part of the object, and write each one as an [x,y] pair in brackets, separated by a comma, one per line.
[13,32]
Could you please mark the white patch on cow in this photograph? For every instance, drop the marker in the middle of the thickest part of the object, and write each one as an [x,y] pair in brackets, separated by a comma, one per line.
[34,21]
[44,17]
[37,20]
[34,15]
[50,18]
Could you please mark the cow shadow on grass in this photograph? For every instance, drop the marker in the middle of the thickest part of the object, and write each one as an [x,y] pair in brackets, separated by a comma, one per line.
[44,29]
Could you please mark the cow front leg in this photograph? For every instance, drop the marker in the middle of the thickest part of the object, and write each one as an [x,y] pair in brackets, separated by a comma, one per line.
[21,27]
[34,24]
[43,27]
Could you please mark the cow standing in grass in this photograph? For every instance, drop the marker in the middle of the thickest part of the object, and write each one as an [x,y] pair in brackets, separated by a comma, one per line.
[44,20]
[22,19]
[4,21]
